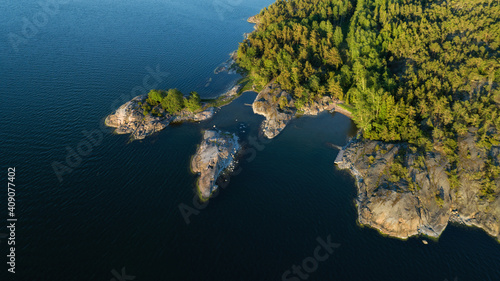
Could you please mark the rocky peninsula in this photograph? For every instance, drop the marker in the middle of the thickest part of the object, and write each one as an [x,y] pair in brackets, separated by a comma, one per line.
[131,118]
[279,108]
[214,156]
[403,193]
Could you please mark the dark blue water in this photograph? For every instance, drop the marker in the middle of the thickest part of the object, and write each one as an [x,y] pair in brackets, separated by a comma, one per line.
[119,207]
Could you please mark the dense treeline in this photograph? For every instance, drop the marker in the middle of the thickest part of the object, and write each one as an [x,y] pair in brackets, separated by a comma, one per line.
[172,101]
[425,70]
[300,43]
[428,72]
[420,71]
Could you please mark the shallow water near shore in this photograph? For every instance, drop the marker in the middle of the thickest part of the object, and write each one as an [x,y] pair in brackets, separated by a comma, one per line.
[119,208]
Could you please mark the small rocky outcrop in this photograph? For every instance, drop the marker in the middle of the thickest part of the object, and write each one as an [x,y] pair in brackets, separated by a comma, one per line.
[254,19]
[402,192]
[130,118]
[215,155]
[278,107]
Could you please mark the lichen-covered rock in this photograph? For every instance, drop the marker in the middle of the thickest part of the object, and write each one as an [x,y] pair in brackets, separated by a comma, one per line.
[215,154]
[418,198]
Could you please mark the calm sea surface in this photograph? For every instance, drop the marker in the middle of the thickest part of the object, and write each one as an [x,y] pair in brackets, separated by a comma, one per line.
[118,209]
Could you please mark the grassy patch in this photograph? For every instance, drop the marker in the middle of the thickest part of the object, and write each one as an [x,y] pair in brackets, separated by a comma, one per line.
[347,107]
[219,101]
[246,83]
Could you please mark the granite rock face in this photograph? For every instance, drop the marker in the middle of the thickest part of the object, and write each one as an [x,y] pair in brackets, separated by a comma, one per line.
[215,155]
[421,199]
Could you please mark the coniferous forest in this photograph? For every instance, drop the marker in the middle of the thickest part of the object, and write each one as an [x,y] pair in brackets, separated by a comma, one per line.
[423,72]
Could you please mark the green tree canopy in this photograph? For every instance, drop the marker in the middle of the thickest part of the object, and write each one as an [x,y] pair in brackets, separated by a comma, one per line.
[173,102]
[155,96]
[193,103]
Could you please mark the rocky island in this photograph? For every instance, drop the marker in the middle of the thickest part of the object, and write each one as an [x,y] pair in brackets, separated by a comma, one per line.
[214,156]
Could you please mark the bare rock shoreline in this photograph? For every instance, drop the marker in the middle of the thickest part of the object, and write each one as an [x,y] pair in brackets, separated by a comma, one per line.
[422,202]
